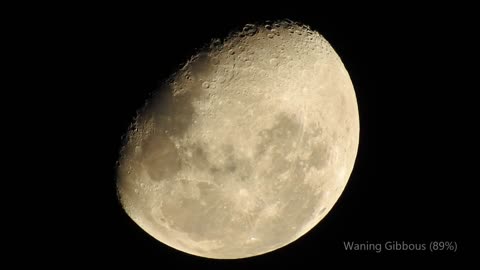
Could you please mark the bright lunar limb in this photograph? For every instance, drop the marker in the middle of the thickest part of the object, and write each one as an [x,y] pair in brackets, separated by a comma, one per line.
[246,148]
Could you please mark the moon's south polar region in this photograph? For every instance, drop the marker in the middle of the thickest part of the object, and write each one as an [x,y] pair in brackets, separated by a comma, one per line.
[246,148]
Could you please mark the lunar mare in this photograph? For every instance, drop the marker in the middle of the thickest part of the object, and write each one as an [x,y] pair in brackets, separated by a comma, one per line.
[246,148]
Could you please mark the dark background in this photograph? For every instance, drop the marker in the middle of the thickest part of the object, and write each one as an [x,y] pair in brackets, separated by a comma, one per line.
[411,174]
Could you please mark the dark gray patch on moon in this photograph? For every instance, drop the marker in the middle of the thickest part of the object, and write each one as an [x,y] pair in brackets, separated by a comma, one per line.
[199,158]
[173,114]
[319,156]
[160,157]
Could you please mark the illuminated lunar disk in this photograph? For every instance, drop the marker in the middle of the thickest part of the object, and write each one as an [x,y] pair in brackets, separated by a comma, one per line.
[246,148]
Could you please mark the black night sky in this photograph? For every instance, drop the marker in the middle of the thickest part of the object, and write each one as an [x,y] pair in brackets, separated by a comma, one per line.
[407,181]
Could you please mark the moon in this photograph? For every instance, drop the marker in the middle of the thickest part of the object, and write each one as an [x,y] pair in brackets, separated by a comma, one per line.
[246,147]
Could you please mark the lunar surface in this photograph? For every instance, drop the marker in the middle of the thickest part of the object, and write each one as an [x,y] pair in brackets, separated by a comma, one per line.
[244,149]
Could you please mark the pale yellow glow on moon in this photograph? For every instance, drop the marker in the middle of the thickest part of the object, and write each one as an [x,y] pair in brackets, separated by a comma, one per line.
[248,146]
